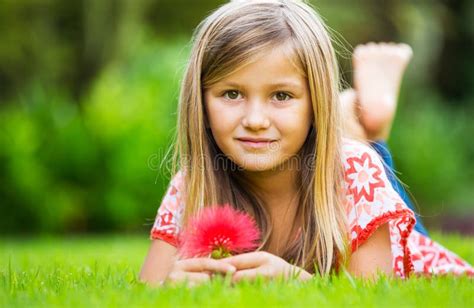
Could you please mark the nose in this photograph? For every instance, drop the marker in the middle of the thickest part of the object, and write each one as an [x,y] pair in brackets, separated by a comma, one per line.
[255,117]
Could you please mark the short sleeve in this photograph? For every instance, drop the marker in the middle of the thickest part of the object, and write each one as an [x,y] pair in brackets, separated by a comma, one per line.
[167,223]
[371,202]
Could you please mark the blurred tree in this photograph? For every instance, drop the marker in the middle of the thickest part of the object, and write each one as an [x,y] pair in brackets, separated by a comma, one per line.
[67,43]
[454,71]
[40,41]
[92,88]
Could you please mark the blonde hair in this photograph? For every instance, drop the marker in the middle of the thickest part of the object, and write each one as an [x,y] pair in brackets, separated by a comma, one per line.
[222,43]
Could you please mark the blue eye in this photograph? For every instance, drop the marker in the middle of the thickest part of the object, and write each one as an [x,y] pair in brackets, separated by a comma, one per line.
[282,96]
[232,94]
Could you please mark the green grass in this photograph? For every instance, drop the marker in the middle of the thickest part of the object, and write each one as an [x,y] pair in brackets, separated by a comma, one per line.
[102,271]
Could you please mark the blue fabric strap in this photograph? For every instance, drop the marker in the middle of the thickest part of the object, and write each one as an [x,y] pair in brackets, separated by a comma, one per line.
[382,148]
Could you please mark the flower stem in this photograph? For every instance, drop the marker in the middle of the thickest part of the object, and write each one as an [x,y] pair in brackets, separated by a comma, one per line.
[220,253]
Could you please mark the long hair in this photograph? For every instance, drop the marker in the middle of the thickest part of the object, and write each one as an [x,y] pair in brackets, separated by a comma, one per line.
[222,43]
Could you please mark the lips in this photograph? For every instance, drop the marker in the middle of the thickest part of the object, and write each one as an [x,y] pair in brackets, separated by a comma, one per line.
[255,143]
[256,139]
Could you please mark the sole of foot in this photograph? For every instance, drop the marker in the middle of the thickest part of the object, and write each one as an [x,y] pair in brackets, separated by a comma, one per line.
[378,71]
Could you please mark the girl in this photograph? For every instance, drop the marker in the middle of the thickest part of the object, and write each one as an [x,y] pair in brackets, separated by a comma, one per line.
[259,127]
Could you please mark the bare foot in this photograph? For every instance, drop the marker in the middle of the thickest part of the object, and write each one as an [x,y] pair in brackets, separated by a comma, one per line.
[352,127]
[378,70]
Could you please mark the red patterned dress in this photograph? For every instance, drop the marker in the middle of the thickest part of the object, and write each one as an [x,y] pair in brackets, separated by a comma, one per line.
[370,202]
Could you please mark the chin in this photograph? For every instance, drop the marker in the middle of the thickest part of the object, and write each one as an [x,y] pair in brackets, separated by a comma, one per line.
[258,164]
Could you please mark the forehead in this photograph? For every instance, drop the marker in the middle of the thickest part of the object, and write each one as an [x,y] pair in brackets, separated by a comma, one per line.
[268,64]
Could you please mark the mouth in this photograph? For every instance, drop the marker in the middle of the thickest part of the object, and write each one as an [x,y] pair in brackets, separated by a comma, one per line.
[256,143]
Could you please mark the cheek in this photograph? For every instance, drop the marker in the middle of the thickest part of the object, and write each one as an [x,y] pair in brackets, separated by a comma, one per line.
[215,117]
[221,129]
[306,117]
[296,122]
[295,126]
[207,101]
[211,111]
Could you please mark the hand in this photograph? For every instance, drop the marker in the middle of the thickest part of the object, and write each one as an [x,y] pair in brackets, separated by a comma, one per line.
[197,270]
[264,264]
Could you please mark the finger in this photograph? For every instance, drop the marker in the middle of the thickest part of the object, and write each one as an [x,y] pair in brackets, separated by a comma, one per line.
[250,274]
[197,278]
[248,260]
[206,264]
[190,278]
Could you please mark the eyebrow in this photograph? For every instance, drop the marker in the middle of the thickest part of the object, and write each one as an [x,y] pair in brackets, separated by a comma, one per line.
[282,84]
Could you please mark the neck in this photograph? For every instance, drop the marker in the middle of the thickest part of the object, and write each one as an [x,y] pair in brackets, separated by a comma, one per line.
[278,189]
[273,184]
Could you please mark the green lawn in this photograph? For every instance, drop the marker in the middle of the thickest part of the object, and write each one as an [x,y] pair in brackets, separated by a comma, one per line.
[101,271]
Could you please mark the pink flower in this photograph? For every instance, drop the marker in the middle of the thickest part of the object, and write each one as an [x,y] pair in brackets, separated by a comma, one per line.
[219,232]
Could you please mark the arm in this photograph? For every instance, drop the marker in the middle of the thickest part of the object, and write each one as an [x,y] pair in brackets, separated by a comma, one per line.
[373,256]
[161,264]
[378,219]
[264,264]
[158,262]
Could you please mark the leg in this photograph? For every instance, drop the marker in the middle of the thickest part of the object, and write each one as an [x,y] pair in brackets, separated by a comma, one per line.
[378,70]
[352,127]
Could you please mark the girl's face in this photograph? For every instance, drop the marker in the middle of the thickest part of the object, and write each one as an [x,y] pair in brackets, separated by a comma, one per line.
[261,114]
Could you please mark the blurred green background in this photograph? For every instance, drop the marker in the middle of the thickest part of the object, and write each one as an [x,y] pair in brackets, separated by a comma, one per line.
[88,95]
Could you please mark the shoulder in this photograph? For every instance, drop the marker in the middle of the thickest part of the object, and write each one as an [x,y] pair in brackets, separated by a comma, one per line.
[366,183]
[357,149]
[167,223]
[174,195]
[363,171]
[370,201]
